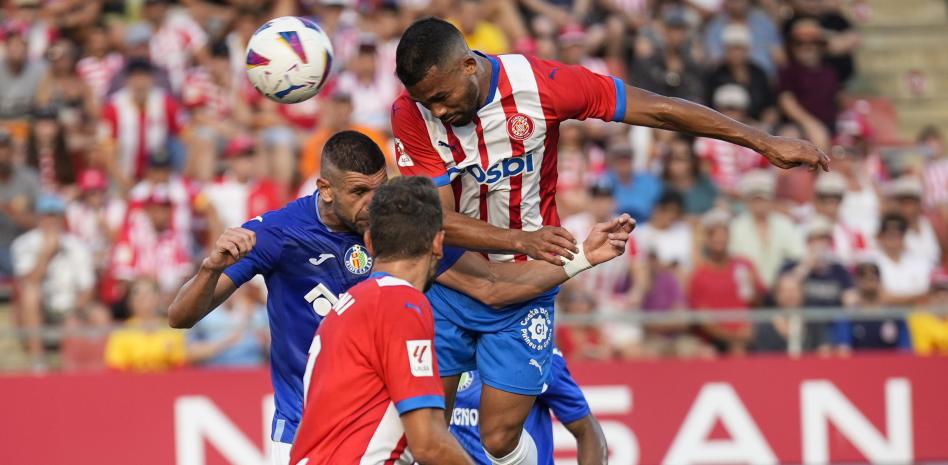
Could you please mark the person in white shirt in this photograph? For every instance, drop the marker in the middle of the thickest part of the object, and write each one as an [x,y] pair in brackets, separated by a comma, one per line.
[848,241]
[906,276]
[667,236]
[906,195]
[54,273]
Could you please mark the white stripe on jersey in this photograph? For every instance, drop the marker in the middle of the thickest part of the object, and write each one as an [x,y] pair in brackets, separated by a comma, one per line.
[387,281]
[385,439]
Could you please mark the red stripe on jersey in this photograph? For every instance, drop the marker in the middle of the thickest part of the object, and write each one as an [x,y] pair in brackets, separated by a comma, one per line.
[458,154]
[485,160]
[517,150]
[398,451]
[548,172]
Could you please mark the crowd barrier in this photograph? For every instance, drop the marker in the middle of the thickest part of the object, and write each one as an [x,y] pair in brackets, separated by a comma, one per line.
[880,408]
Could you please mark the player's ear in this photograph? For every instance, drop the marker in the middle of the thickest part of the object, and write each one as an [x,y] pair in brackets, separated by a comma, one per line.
[437,245]
[325,189]
[367,238]
[469,66]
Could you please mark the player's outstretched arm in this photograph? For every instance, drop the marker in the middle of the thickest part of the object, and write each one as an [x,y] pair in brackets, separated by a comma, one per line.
[429,440]
[210,286]
[548,243]
[591,447]
[502,284]
[652,110]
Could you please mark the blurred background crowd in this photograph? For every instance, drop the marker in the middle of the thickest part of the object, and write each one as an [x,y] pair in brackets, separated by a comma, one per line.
[130,138]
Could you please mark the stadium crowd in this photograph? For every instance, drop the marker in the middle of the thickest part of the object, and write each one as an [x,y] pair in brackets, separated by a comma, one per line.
[131,138]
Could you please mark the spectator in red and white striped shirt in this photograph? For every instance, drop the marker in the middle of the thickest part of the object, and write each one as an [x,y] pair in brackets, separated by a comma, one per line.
[849,243]
[933,144]
[177,40]
[100,65]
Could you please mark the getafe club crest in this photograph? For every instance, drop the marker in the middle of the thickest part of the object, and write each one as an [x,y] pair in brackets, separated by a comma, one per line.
[358,260]
[519,126]
[466,381]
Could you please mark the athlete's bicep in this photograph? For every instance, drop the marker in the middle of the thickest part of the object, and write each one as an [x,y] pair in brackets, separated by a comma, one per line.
[648,109]
[225,287]
[469,274]
[414,154]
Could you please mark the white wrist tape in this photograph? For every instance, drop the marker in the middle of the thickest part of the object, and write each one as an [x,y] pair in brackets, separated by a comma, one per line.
[578,264]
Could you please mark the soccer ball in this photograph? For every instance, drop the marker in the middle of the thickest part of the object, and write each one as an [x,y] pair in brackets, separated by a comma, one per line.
[289,59]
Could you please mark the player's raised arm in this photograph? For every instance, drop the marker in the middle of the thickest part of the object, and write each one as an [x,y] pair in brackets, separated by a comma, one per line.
[648,109]
[210,286]
[502,284]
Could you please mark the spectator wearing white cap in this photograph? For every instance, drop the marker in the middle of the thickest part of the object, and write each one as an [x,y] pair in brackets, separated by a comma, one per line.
[848,242]
[54,273]
[825,282]
[761,234]
[729,162]
[766,45]
[906,193]
[736,67]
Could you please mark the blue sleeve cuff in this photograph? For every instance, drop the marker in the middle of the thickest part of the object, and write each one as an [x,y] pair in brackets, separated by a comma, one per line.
[237,274]
[415,403]
[620,100]
[442,180]
[572,416]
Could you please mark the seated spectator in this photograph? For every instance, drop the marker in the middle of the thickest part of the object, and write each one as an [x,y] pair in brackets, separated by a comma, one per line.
[669,339]
[139,101]
[580,341]
[372,89]
[149,247]
[906,194]
[808,88]
[860,208]
[63,89]
[479,33]
[670,70]
[727,163]
[682,174]
[825,282]
[21,77]
[724,281]
[95,215]
[929,330]
[635,192]
[54,271]
[847,241]
[160,172]
[667,236]
[85,335]
[136,48]
[737,68]
[177,40]
[766,45]
[145,343]
[761,234]
[935,174]
[99,64]
[842,37]
[234,335]
[870,334]
[790,335]
[19,188]
[48,152]
[905,276]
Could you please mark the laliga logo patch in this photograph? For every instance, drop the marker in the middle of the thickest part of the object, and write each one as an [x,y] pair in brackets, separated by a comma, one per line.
[536,329]
[403,159]
[519,126]
[358,260]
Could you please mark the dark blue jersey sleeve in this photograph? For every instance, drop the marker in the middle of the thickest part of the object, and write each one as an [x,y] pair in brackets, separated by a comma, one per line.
[451,256]
[264,256]
[563,395]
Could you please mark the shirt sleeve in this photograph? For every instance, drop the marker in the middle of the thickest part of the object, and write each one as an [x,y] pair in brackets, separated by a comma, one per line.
[563,396]
[264,256]
[451,256]
[414,154]
[409,367]
[578,93]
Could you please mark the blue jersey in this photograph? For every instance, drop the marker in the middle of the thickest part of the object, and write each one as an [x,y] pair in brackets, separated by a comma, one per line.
[305,266]
[562,396]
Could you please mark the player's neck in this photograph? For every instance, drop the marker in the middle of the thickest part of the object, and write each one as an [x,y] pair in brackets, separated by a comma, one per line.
[484,75]
[329,218]
[413,270]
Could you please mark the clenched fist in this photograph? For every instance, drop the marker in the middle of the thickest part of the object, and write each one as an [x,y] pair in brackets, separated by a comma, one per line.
[231,246]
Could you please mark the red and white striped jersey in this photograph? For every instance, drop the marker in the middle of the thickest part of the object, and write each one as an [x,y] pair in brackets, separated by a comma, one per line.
[502,165]
[936,182]
[729,162]
[98,72]
[371,362]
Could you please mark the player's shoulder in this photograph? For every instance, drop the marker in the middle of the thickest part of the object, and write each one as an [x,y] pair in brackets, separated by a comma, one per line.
[296,212]
[405,109]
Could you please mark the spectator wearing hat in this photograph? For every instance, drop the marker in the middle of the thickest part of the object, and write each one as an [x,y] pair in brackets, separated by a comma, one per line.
[19,188]
[842,37]
[766,45]
[761,234]
[861,206]
[729,162]
[48,152]
[99,63]
[635,192]
[808,88]
[138,120]
[870,334]
[178,39]
[930,330]
[145,343]
[337,116]
[148,246]
[736,67]
[240,193]
[848,242]
[682,173]
[21,77]
[95,215]
[671,70]
[790,335]
[906,193]
[825,281]
[160,174]
[371,89]
[54,273]
[905,275]
[724,281]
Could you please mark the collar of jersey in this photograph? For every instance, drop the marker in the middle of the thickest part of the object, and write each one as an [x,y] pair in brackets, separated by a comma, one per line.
[378,274]
[494,77]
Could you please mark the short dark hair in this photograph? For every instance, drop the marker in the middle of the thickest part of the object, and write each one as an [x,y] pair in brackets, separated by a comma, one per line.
[425,44]
[353,151]
[671,198]
[893,221]
[404,217]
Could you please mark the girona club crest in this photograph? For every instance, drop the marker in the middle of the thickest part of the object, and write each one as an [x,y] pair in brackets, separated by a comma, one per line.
[519,126]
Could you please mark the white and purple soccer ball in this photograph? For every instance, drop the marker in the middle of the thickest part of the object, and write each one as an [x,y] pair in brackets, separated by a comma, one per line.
[289,59]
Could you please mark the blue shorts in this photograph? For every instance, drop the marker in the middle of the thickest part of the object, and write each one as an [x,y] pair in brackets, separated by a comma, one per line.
[511,348]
